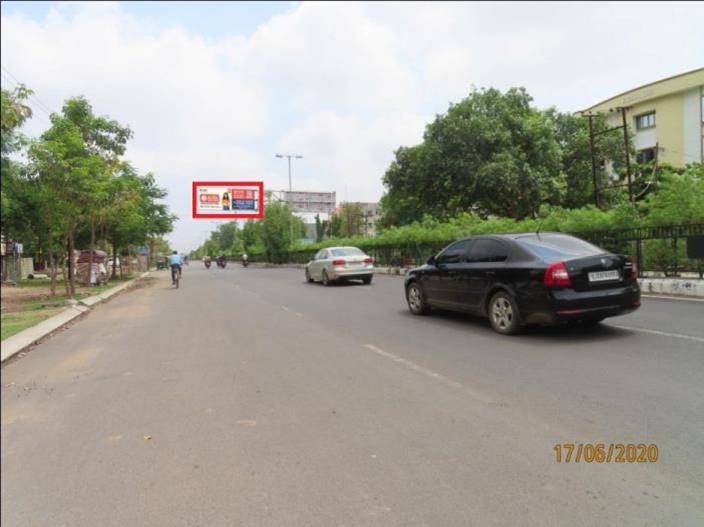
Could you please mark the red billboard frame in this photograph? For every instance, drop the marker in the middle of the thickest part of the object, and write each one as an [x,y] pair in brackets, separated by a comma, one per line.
[197,215]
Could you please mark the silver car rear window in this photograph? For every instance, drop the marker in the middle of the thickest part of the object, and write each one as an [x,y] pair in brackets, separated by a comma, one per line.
[346,251]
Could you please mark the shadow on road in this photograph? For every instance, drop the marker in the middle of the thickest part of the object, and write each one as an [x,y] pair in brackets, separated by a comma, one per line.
[339,284]
[549,335]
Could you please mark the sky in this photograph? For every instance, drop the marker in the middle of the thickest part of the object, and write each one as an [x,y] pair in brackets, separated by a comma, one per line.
[213,90]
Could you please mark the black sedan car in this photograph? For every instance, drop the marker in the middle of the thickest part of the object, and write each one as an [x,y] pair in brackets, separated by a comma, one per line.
[525,279]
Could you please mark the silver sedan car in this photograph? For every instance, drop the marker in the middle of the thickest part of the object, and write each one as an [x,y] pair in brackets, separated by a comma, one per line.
[340,263]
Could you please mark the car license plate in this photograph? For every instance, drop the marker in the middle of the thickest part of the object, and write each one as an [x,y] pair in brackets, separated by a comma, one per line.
[603,276]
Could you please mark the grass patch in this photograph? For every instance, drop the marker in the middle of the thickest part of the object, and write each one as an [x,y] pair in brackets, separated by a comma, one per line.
[46,282]
[30,302]
[13,323]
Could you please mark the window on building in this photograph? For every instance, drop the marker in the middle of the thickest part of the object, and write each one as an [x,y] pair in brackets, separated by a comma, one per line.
[646,120]
[646,155]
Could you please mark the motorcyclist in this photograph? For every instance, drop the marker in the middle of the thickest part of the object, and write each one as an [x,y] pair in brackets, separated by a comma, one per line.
[245,259]
[175,263]
[206,260]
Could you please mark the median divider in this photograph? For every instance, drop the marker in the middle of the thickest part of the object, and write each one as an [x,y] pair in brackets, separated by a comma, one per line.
[24,339]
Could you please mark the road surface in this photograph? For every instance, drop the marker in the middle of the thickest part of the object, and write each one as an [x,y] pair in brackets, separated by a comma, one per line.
[249,397]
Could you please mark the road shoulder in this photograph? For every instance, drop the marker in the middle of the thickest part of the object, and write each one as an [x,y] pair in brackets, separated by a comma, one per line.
[24,339]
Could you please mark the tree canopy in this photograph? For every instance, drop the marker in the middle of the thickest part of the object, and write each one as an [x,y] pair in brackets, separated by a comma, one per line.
[495,154]
[75,186]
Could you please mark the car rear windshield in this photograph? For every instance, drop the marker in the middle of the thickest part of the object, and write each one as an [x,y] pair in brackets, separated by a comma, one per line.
[557,246]
[346,251]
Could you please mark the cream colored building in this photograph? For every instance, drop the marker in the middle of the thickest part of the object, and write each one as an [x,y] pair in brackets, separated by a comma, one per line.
[666,118]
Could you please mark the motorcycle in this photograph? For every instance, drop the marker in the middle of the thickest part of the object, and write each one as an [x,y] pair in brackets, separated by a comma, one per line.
[222,262]
[207,264]
[245,262]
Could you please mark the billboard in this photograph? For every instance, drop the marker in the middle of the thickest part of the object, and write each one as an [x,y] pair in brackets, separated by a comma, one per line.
[228,199]
[309,201]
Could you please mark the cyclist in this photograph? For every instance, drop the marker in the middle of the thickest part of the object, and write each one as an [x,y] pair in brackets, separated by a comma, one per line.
[175,263]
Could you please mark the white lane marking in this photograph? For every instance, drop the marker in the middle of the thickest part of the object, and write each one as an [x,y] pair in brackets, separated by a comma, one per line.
[664,297]
[661,333]
[433,375]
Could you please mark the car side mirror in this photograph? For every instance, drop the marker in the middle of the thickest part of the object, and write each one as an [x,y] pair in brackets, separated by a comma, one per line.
[431,261]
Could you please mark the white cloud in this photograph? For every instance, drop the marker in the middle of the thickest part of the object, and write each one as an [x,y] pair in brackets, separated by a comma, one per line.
[344,84]
[352,153]
[329,56]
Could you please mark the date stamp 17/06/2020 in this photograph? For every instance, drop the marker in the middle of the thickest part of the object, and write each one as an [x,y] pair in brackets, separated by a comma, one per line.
[606,453]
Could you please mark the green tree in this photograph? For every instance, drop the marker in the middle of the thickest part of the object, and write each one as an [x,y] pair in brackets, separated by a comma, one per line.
[319,229]
[352,219]
[252,237]
[678,199]
[277,226]
[493,153]
[227,238]
[13,114]
[572,133]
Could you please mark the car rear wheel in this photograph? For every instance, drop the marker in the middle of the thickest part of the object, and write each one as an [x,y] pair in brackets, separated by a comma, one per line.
[309,278]
[503,313]
[326,279]
[416,300]
[367,280]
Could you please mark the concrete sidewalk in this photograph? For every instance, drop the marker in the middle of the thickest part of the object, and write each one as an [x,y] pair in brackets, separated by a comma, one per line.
[22,340]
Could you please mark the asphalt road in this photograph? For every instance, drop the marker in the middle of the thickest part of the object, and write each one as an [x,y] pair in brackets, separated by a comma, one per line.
[249,397]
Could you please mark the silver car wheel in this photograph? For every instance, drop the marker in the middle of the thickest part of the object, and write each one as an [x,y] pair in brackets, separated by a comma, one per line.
[502,313]
[414,299]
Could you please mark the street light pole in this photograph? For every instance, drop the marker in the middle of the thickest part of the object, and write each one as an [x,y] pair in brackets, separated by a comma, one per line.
[289,174]
[290,186]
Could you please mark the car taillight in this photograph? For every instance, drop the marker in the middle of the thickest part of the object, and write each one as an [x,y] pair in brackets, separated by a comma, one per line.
[556,275]
[368,260]
[339,262]
[632,269]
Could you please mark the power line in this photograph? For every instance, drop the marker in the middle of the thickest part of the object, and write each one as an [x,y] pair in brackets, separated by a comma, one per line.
[36,103]
[9,76]
[34,95]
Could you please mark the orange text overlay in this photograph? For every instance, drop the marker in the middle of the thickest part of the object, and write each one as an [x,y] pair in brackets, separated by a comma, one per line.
[606,453]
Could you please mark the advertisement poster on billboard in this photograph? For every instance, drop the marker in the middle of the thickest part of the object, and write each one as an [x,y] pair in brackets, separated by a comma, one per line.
[228,199]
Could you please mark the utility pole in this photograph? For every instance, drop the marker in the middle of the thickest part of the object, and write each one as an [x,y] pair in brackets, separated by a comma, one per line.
[290,187]
[628,155]
[591,148]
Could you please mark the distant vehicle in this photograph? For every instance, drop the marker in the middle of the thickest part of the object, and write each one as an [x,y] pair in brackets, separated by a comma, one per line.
[524,279]
[221,261]
[340,263]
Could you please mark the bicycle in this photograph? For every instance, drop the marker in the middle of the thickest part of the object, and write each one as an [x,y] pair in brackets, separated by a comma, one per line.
[175,275]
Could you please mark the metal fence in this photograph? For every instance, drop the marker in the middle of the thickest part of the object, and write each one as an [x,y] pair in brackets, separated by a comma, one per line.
[661,248]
